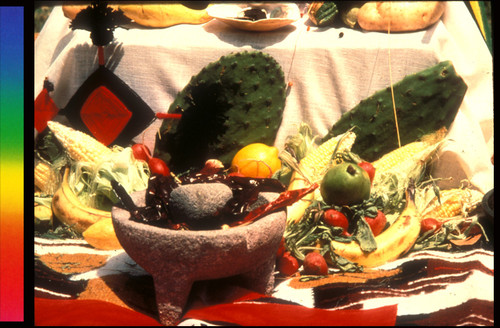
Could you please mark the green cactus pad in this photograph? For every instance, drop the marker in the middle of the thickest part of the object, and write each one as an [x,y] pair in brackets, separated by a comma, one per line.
[232,102]
[425,102]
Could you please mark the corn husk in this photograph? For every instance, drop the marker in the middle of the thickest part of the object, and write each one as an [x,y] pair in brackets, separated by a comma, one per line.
[91,182]
[391,185]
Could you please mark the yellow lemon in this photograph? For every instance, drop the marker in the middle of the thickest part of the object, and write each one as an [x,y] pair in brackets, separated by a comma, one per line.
[256,160]
[102,235]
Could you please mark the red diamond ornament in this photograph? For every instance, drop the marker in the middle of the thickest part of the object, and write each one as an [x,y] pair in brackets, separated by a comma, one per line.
[45,110]
[107,108]
[105,115]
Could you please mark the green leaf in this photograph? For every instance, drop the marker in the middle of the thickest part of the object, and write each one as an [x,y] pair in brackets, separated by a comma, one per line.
[459,229]
[342,263]
[48,148]
[364,236]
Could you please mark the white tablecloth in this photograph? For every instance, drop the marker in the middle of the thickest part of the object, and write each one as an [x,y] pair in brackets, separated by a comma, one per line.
[331,69]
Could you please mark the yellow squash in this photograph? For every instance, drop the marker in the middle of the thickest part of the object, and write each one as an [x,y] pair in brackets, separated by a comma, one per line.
[101,235]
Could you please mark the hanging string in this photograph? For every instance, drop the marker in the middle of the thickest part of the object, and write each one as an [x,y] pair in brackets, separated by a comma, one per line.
[390,77]
[290,83]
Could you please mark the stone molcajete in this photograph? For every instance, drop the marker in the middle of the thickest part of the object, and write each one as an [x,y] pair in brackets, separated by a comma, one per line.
[178,258]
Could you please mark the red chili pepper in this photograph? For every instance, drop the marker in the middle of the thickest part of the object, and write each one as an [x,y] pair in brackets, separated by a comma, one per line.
[168,116]
[286,198]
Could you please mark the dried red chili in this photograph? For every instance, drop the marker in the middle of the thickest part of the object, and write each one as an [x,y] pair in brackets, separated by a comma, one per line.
[286,198]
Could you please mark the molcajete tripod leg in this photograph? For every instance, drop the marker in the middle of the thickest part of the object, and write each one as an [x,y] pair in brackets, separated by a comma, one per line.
[171,296]
[261,279]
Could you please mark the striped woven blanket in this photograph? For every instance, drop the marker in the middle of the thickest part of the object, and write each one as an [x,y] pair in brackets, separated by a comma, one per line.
[78,285]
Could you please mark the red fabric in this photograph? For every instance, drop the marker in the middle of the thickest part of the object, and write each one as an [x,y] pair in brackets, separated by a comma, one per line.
[105,115]
[269,314]
[50,312]
[45,110]
[239,310]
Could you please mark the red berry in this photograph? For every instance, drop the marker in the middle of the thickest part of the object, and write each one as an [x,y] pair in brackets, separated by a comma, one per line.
[368,167]
[157,166]
[429,224]
[141,152]
[377,224]
[287,264]
[315,264]
[336,219]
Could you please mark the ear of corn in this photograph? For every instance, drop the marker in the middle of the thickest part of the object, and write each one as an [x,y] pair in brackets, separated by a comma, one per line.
[79,145]
[312,168]
[397,156]
[414,151]
[452,202]
[45,177]
[396,169]
[318,161]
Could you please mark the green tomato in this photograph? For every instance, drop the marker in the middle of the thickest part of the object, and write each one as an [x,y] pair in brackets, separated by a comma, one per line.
[345,184]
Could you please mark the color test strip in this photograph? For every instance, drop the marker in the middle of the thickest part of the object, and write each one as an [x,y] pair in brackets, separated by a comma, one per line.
[11,164]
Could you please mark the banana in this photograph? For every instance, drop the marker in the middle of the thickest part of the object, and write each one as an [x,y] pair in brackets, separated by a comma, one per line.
[151,15]
[69,210]
[391,243]
[164,15]
[297,209]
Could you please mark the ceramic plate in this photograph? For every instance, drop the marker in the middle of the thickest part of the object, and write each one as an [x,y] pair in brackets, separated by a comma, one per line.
[277,15]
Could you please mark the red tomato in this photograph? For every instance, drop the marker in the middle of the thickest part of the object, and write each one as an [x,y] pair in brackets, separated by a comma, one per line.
[141,152]
[287,264]
[377,224]
[157,166]
[429,224]
[336,219]
[315,264]
[368,167]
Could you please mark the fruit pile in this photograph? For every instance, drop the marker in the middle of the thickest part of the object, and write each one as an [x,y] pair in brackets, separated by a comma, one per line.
[352,222]
[359,198]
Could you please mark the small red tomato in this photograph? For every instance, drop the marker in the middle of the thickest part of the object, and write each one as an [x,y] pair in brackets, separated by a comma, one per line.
[157,166]
[377,224]
[141,152]
[429,224]
[336,219]
[368,167]
[315,264]
[287,264]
